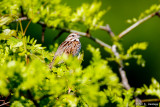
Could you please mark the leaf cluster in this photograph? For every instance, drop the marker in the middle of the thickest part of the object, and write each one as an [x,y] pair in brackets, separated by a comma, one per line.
[53,13]
[154,8]
[26,78]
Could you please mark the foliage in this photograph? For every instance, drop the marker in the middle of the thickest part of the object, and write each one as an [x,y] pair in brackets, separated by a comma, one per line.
[154,8]
[26,78]
[52,12]
[129,54]
[35,81]
[153,89]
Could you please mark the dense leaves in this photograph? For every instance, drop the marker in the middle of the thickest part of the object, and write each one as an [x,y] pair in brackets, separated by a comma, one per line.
[25,77]
[67,84]
[153,89]
[52,12]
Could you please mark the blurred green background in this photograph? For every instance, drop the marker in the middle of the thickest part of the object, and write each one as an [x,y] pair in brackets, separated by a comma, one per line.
[120,11]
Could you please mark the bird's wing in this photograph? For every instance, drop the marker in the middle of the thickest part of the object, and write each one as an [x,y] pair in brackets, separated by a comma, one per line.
[73,48]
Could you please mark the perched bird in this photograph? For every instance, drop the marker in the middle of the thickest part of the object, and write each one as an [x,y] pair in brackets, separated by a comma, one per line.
[71,45]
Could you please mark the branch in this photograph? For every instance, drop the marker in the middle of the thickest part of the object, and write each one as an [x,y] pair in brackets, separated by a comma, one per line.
[27,27]
[22,12]
[90,37]
[4,104]
[43,31]
[20,19]
[123,33]
[121,71]
[72,31]
[150,100]
[108,29]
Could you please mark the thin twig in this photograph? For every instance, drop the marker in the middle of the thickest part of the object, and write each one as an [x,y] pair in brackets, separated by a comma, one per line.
[90,37]
[4,104]
[108,29]
[123,33]
[27,27]
[22,12]
[20,19]
[69,90]
[121,71]
[21,26]
[150,100]
[43,31]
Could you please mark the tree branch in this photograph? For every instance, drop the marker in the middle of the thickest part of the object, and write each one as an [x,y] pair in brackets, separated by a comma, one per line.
[72,31]
[150,100]
[20,19]
[22,12]
[108,29]
[116,53]
[121,71]
[101,43]
[43,31]
[4,104]
[123,33]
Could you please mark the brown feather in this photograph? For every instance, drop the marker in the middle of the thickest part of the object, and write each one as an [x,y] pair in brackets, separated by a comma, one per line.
[70,46]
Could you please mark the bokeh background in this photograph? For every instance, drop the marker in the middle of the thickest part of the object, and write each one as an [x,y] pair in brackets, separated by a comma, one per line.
[116,17]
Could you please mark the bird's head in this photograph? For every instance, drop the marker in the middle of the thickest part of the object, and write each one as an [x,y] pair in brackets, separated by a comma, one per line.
[73,37]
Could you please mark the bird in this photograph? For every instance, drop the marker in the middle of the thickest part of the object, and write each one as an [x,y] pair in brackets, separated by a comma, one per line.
[71,46]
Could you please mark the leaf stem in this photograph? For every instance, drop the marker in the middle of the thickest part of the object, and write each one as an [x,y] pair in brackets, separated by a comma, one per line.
[21,27]
[26,27]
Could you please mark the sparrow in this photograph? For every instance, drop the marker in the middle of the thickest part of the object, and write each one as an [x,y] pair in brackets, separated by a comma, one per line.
[71,46]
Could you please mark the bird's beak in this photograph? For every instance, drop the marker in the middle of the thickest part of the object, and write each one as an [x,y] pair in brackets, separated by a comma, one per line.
[79,36]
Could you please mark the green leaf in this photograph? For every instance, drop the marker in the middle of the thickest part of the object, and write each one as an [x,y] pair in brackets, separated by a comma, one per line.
[5,20]
[7,33]
[141,46]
